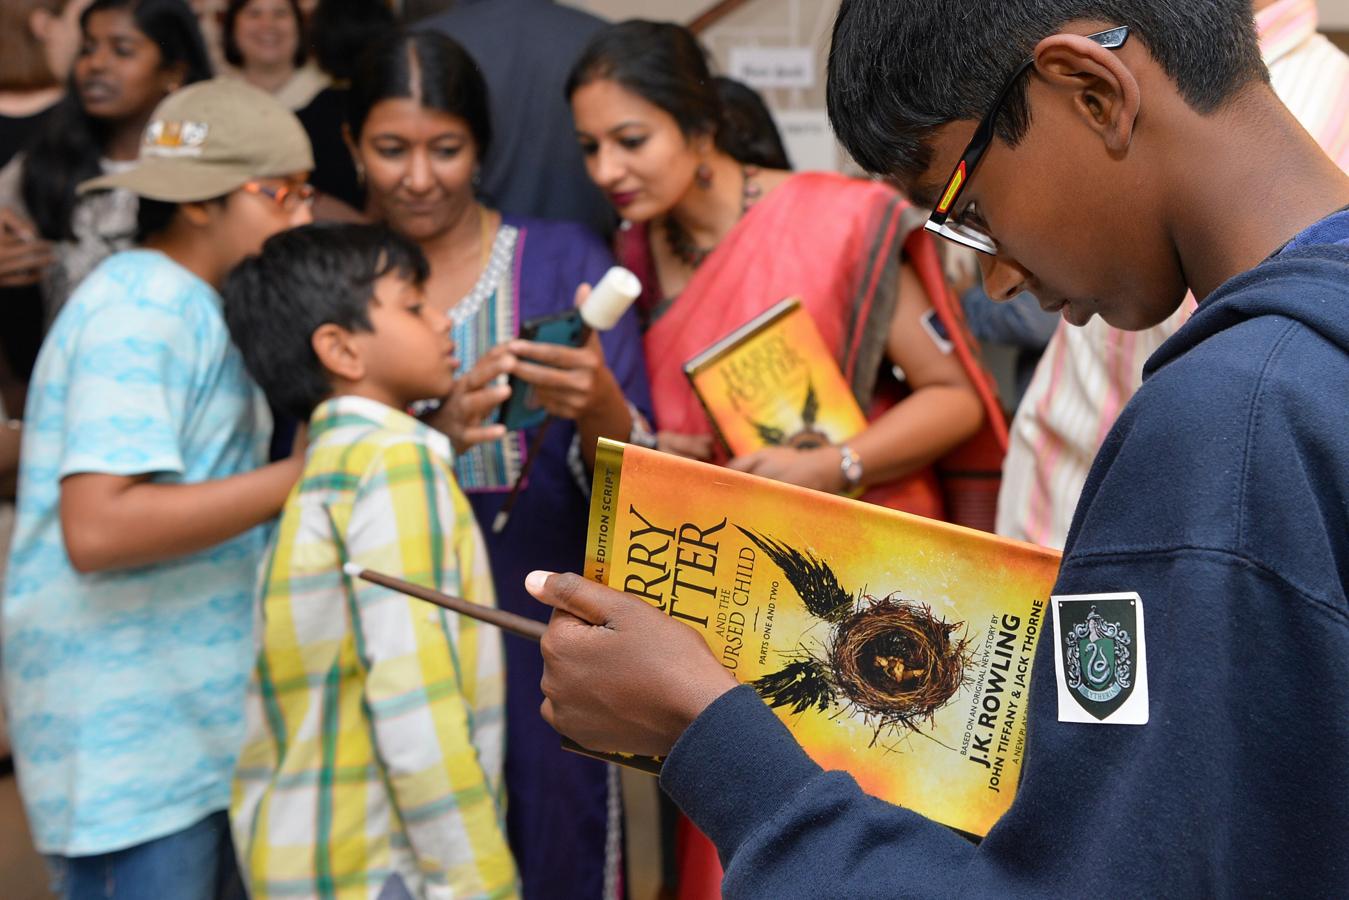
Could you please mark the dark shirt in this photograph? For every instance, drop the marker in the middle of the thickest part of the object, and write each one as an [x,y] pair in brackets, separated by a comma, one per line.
[21,314]
[334,171]
[526,49]
[16,131]
[1221,497]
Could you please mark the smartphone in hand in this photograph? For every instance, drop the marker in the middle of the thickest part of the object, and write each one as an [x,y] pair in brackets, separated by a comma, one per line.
[520,409]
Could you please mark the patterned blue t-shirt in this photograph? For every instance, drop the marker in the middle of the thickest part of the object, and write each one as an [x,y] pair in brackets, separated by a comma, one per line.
[125,689]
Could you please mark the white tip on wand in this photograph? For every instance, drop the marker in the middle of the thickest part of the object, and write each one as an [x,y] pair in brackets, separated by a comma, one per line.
[506,621]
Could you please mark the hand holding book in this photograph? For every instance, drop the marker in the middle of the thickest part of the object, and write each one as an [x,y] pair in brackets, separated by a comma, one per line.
[621,677]
[817,468]
[896,648]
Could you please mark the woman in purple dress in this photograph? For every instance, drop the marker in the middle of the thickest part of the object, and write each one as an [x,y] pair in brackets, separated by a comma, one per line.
[419,126]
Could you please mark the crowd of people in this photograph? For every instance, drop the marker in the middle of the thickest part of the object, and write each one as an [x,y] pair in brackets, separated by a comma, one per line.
[263,276]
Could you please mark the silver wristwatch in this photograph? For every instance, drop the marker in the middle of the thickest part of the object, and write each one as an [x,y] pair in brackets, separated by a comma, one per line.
[851,466]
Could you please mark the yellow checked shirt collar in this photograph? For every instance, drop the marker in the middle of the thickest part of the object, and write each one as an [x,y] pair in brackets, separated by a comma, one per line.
[1284,27]
[328,413]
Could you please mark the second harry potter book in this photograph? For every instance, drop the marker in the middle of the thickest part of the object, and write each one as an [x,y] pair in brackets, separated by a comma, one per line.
[773,383]
[894,647]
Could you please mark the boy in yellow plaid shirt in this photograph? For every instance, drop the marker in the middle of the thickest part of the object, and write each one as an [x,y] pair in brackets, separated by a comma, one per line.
[372,763]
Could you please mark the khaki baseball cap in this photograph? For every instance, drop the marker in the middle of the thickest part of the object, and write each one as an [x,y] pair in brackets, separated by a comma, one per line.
[209,139]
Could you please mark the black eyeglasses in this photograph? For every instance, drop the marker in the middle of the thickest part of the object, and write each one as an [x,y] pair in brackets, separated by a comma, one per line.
[970,234]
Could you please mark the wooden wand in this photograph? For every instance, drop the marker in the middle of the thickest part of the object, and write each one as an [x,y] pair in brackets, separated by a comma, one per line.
[517,625]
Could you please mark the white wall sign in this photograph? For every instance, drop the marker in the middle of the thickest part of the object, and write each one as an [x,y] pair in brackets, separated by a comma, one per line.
[774,67]
[809,139]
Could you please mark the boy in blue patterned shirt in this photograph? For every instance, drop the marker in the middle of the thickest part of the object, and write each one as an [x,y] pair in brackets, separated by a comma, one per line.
[127,619]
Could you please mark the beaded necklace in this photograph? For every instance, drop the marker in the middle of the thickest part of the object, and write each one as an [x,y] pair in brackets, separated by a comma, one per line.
[681,242]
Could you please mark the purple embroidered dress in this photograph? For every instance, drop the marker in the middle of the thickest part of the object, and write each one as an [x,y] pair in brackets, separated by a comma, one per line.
[563,813]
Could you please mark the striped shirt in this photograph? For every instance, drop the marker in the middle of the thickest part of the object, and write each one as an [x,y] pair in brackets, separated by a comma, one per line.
[1087,374]
[374,721]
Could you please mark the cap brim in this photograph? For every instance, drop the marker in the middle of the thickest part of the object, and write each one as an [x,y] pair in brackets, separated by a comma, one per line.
[176,180]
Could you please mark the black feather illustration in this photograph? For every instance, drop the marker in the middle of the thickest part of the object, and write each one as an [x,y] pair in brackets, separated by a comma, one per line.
[773,437]
[891,661]
[801,685]
[811,409]
[814,581]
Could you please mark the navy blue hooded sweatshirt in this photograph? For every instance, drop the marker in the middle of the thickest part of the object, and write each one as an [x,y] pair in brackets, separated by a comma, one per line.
[1222,498]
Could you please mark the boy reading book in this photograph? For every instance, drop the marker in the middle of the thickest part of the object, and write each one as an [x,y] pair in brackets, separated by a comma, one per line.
[1105,155]
[372,762]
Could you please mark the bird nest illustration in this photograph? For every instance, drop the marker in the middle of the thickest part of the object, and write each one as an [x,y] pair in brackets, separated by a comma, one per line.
[897,663]
[893,662]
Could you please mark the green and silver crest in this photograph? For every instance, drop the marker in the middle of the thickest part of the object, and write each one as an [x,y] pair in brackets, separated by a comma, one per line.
[1098,653]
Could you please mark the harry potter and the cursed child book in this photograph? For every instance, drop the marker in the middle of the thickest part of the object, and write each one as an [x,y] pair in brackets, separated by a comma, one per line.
[773,382]
[894,647]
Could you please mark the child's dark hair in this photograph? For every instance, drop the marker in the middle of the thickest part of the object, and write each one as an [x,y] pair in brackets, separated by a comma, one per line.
[427,67]
[302,279]
[660,62]
[229,45]
[70,143]
[898,69]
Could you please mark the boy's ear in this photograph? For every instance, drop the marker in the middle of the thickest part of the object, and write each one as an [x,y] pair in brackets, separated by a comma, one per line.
[337,352]
[196,213]
[1104,90]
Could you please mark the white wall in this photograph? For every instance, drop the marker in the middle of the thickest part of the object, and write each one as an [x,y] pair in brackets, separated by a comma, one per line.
[1334,14]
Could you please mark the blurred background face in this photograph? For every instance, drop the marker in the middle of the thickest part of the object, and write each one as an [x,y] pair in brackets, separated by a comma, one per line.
[267,33]
[418,166]
[119,72]
[634,150]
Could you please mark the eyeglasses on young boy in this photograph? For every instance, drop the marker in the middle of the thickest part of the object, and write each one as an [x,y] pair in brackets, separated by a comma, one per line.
[966,232]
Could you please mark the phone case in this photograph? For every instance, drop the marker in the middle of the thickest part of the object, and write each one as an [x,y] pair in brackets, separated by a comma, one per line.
[566,328]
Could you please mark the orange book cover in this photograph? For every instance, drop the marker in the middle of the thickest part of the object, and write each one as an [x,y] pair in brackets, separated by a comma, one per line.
[773,382]
[894,647]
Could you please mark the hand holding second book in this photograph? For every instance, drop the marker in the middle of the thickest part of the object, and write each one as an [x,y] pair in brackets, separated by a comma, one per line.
[621,676]
[817,468]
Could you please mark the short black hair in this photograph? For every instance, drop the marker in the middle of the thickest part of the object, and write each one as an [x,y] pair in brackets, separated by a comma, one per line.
[660,62]
[425,66]
[229,45]
[898,69]
[304,278]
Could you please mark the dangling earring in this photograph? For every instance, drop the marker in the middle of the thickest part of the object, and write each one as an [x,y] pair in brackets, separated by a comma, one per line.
[704,176]
[477,177]
[360,175]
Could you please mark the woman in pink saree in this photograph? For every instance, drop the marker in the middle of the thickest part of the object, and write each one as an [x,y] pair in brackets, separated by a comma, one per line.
[717,241]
